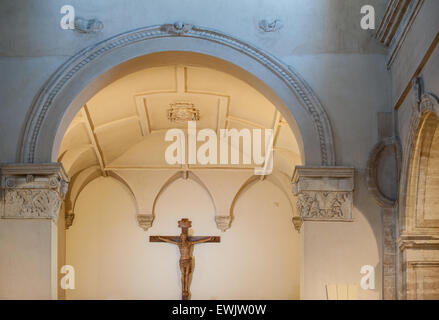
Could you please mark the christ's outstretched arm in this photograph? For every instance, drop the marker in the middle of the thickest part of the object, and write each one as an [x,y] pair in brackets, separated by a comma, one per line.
[202,240]
[168,240]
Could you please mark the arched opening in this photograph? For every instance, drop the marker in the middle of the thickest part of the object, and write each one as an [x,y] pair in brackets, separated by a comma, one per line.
[420,224]
[120,132]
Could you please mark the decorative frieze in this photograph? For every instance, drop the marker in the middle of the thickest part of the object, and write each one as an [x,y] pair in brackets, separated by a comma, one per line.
[324,193]
[32,191]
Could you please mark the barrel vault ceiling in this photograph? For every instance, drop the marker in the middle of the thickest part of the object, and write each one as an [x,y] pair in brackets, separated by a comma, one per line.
[123,126]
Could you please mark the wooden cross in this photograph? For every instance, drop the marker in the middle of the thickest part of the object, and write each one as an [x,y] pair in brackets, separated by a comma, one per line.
[185,243]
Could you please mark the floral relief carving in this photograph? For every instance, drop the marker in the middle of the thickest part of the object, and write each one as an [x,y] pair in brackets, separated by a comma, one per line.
[324,193]
[322,204]
[32,203]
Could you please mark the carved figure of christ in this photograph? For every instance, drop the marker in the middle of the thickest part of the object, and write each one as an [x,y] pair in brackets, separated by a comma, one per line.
[185,244]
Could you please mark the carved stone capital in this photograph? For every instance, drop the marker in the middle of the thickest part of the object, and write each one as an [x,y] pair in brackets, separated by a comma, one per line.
[145,221]
[223,222]
[32,191]
[324,193]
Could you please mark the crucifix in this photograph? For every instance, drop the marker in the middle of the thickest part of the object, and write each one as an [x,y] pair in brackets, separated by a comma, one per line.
[185,243]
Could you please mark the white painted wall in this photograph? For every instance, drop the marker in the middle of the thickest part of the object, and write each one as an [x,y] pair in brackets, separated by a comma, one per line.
[258,258]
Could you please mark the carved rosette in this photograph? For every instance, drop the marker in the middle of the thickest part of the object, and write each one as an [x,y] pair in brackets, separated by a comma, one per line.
[223,222]
[32,191]
[323,193]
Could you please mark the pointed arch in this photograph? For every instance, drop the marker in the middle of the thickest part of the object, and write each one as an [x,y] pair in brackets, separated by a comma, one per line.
[181,175]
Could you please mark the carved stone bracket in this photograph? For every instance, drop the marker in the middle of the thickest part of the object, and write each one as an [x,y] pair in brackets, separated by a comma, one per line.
[423,242]
[324,193]
[69,217]
[145,221]
[223,222]
[32,191]
[297,222]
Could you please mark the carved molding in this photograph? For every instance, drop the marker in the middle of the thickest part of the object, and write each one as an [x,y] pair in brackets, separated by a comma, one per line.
[45,100]
[223,222]
[32,191]
[324,193]
[396,23]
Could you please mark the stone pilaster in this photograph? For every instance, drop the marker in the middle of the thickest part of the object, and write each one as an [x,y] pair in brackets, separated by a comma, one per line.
[324,193]
[32,191]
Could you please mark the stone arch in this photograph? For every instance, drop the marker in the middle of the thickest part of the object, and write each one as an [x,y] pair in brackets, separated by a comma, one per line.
[75,82]
[178,175]
[418,257]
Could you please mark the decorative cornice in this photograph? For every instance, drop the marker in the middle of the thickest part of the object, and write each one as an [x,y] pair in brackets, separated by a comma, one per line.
[397,22]
[44,101]
[418,242]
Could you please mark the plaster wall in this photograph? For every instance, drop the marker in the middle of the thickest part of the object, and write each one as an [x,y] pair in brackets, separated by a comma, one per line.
[258,258]
[28,259]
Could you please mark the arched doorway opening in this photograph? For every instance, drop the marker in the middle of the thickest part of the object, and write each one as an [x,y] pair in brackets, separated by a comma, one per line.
[120,133]
[419,218]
